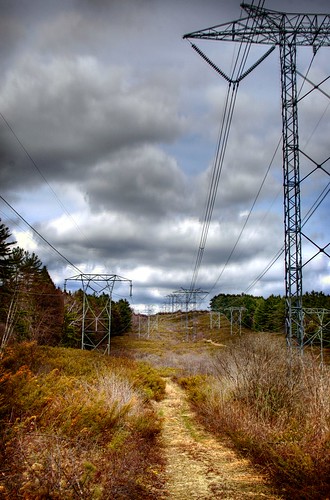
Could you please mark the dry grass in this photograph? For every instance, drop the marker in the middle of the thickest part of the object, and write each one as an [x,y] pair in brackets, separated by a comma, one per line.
[173,348]
[275,408]
[85,428]
[78,425]
[198,464]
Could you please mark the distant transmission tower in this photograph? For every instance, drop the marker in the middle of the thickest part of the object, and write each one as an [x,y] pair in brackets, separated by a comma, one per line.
[235,319]
[188,298]
[263,26]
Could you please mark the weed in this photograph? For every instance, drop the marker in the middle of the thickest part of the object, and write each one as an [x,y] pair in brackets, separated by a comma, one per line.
[274,407]
[195,387]
[74,422]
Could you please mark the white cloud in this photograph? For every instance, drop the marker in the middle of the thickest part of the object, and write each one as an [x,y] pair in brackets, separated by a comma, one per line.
[121,120]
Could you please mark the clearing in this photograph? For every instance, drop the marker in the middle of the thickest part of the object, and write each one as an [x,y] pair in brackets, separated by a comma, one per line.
[198,465]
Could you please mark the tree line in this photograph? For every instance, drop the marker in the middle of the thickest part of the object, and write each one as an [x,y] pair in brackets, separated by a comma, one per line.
[33,308]
[268,314]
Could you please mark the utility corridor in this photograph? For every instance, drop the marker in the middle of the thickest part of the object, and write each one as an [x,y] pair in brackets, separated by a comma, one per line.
[198,465]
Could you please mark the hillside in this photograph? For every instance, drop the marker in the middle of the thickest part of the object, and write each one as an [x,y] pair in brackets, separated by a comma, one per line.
[178,410]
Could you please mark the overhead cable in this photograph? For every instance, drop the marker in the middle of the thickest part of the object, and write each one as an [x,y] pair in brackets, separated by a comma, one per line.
[305,219]
[236,76]
[40,235]
[34,163]
[311,211]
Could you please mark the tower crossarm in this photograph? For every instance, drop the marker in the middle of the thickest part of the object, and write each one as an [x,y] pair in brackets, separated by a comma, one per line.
[287,31]
[265,26]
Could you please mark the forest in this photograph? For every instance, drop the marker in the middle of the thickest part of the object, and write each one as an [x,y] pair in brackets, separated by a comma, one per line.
[268,314]
[34,309]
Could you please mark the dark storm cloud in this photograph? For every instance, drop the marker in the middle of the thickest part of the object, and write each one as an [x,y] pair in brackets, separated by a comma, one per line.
[72,114]
[142,181]
[122,119]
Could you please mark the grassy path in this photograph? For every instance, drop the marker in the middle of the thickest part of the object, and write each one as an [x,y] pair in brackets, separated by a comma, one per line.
[198,465]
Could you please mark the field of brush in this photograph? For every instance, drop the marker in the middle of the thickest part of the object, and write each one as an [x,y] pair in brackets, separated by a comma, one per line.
[78,424]
[273,405]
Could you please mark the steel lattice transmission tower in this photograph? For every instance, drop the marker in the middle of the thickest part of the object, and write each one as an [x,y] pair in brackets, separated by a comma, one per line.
[96,319]
[288,31]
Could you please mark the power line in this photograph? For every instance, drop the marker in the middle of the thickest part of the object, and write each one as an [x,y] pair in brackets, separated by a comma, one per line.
[306,218]
[216,174]
[247,218]
[287,31]
[273,261]
[34,163]
[47,242]
[39,235]
[237,75]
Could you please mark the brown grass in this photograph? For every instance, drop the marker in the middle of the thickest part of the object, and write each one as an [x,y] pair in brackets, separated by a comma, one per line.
[276,409]
[78,425]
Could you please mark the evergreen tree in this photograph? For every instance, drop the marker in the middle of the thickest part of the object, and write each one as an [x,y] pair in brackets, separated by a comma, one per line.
[259,315]
[48,310]
[126,314]
[121,318]
[5,252]
[5,294]
[72,322]
[34,307]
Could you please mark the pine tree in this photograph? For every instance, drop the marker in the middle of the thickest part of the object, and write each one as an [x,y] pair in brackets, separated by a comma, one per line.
[5,295]
[5,252]
[33,306]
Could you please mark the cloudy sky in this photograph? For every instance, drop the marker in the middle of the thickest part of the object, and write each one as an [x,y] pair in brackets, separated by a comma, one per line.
[108,133]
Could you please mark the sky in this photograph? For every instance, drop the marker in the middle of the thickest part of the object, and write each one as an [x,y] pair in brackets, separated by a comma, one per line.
[108,133]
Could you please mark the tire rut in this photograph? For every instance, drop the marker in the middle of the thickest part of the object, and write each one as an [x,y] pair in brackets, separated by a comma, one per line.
[198,465]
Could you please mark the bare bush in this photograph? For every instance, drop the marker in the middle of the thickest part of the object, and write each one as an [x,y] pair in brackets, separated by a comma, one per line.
[262,376]
[276,385]
[276,406]
[117,390]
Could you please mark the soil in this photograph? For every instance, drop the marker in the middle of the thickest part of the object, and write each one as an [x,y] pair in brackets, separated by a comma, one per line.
[199,466]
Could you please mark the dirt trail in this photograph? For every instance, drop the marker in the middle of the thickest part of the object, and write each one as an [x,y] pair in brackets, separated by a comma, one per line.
[198,465]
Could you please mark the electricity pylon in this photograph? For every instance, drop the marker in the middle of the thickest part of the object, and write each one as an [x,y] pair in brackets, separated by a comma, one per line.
[235,319]
[188,298]
[96,318]
[319,318]
[287,31]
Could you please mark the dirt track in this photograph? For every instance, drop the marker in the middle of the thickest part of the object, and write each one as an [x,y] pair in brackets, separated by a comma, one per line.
[198,465]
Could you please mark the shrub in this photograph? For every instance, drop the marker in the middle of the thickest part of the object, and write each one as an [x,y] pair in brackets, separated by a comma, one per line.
[195,386]
[148,379]
[73,423]
[275,407]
